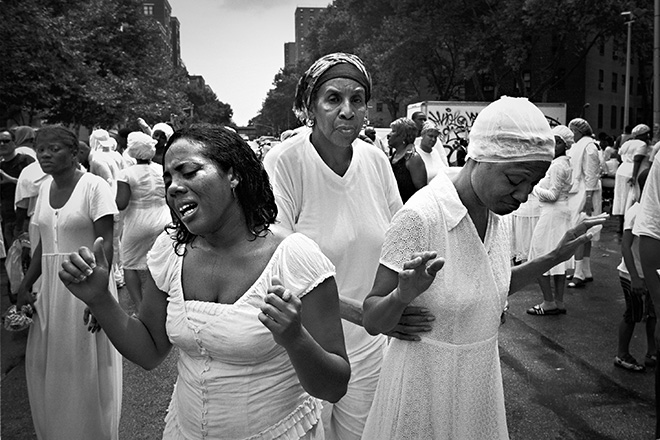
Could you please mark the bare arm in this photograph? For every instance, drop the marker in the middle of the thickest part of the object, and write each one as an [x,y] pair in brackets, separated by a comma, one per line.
[528,272]
[310,331]
[142,340]
[628,258]
[34,271]
[123,195]
[417,170]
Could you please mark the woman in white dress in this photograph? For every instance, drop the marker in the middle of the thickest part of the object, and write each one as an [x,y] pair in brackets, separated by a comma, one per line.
[73,375]
[555,220]
[141,195]
[252,308]
[634,155]
[449,384]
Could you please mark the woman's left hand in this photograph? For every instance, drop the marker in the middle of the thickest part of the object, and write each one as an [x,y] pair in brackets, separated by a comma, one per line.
[577,236]
[281,314]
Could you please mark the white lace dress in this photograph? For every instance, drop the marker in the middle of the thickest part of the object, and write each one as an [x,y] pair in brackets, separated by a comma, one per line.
[234,382]
[448,385]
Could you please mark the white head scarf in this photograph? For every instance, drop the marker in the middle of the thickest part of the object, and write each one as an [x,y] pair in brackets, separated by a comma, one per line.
[511,130]
[101,139]
[165,128]
[565,134]
[141,146]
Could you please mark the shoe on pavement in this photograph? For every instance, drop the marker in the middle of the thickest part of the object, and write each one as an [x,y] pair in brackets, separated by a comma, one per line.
[628,363]
[650,360]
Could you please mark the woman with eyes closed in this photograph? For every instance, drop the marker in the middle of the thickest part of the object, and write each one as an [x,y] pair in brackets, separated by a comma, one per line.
[341,192]
[252,308]
[448,250]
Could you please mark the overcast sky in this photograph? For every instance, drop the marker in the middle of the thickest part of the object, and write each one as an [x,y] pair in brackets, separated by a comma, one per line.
[237,46]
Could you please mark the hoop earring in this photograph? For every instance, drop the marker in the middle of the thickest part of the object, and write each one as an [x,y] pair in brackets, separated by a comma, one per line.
[310,123]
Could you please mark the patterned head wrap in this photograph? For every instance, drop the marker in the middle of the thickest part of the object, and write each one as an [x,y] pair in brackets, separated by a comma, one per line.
[565,134]
[165,128]
[637,131]
[581,126]
[511,130]
[334,65]
[141,146]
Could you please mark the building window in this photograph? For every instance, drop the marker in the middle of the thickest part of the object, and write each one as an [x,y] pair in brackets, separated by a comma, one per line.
[613,118]
[148,9]
[600,115]
[379,106]
[527,81]
[601,47]
[601,79]
[615,82]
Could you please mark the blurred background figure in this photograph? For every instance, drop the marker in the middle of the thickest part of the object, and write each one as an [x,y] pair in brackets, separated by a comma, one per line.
[141,196]
[370,132]
[161,132]
[25,140]
[431,150]
[408,166]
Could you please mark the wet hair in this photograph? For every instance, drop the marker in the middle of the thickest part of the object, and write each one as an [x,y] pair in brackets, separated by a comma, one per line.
[62,134]
[228,150]
[408,127]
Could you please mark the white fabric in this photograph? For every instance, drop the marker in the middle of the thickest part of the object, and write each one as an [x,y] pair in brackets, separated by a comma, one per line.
[146,215]
[523,222]
[624,193]
[647,222]
[511,130]
[628,225]
[448,385]
[556,216]
[106,164]
[27,150]
[435,161]
[234,381]
[585,162]
[74,377]
[347,216]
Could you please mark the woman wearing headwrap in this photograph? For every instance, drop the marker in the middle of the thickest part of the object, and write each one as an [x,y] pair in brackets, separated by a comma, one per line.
[407,164]
[586,197]
[634,155]
[25,140]
[556,218]
[141,195]
[448,385]
[162,133]
[341,192]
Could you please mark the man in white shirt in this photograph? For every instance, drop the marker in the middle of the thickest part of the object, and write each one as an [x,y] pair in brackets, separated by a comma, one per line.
[431,150]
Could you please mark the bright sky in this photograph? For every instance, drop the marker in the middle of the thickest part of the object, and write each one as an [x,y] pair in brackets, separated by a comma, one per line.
[237,46]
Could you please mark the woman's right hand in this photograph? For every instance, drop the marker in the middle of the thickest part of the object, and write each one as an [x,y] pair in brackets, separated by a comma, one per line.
[417,275]
[25,297]
[86,273]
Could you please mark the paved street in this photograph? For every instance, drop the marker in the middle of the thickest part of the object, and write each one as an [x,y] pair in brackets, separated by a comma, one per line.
[559,379]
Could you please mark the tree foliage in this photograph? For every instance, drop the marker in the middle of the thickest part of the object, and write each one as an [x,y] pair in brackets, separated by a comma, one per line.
[276,114]
[90,62]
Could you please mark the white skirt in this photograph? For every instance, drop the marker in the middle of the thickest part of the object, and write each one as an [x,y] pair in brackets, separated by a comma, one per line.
[555,220]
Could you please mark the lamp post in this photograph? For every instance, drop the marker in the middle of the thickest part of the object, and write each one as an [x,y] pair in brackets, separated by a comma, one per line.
[626,112]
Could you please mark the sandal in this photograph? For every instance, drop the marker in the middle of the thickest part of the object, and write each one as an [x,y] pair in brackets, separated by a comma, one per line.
[629,363]
[538,311]
[577,283]
[650,360]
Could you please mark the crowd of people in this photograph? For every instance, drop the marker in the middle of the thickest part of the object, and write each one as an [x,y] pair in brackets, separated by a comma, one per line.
[318,291]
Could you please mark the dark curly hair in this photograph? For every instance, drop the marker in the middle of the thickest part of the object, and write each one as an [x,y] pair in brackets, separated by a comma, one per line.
[254,192]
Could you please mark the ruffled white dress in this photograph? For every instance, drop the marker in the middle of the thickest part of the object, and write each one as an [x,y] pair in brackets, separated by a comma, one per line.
[447,386]
[74,377]
[146,215]
[556,214]
[234,382]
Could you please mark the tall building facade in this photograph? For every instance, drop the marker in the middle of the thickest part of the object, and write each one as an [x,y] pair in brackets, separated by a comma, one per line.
[303,18]
[161,11]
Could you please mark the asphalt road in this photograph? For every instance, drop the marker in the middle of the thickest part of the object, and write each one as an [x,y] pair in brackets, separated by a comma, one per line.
[558,372]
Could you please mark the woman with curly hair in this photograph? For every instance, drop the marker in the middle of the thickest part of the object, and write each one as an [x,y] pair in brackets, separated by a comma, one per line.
[228,288]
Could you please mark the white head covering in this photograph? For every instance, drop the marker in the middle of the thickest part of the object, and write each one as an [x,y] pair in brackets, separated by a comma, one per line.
[511,130]
[581,126]
[141,145]
[429,126]
[565,133]
[101,139]
[165,128]
[640,130]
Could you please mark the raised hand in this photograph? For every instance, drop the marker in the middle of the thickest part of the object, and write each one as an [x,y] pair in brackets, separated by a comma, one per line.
[86,273]
[417,275]
[281,314]
[579,235]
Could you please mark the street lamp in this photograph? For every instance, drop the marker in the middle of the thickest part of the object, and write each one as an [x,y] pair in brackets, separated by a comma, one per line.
[631,19]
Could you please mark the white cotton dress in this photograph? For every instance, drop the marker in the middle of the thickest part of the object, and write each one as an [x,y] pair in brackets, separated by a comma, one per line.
[74,377]
[556,215]
[234,382]
[447,386]
[146,215]
[624,193]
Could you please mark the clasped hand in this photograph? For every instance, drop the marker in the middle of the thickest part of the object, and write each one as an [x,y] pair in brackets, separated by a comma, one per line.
[281,313]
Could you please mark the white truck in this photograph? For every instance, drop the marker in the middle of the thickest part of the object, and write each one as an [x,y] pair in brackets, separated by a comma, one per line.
[455,118]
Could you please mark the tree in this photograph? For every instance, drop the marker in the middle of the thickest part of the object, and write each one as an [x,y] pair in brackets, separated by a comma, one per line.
[77,62]
[276,114]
